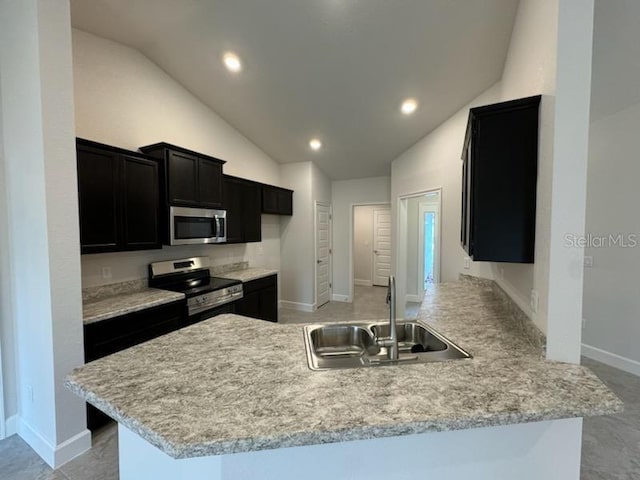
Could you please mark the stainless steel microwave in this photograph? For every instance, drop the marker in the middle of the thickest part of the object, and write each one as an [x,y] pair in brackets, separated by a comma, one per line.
[189,226]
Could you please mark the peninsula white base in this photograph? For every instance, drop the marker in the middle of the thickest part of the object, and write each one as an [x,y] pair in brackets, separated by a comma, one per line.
[547,450]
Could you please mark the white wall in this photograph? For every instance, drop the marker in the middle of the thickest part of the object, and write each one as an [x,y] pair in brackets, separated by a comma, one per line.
[530,69]
[363,244]
[611,301]
[435,160]
[124,99]
[297,241]
[10,394]
[346,194]
[296,238]
[43,239]
[432,163]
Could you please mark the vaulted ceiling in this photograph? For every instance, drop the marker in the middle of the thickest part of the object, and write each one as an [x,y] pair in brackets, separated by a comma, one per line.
[337,70]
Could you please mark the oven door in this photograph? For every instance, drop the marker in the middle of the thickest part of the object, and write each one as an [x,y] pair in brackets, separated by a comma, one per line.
[206,315]
[188,226]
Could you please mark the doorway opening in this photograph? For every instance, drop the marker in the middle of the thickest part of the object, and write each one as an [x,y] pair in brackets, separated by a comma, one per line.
[418,249]
[371,246]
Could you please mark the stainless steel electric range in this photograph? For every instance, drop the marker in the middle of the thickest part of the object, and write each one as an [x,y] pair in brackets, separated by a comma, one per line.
[207,296]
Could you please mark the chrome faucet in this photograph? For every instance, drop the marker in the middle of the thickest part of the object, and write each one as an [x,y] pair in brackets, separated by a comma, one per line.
[391,342]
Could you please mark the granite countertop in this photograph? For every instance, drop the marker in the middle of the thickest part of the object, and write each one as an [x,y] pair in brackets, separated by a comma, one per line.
[199,391]
[102,308]
[247,274]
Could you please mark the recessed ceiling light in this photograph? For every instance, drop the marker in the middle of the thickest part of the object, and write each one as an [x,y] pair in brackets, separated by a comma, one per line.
[315,144]
[409,106]
[232,62]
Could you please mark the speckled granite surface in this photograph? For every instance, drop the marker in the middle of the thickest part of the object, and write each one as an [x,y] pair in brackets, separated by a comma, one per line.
[248,274]
[103,308]
[91,294]
[526,326]
[199,391]
[217,270]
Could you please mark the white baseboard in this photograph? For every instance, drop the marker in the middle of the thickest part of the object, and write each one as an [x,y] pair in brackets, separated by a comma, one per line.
[11,426]
[340,298]
[611,359]
[300,307]
[57,455]
[412,298]
[362,283]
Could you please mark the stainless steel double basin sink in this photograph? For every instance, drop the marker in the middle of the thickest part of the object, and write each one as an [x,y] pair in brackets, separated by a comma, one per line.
[354,345]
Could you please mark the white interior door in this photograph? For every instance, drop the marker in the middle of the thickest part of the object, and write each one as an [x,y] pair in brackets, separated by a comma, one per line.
[381,246]
[323,254]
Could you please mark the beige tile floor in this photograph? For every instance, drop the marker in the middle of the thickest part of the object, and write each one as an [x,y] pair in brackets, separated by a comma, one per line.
[611,445]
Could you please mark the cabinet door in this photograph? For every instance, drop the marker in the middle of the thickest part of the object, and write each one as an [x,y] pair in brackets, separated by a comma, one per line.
[232,189]
[249,305]
[252,212]
[269,199]
[140,189]
[210,182]
[269,304]
[183,179]
[285,202]
[98,198]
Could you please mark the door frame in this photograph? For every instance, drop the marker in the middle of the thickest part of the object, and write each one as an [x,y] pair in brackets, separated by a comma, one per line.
[315,251]
[401,246]
[351,236]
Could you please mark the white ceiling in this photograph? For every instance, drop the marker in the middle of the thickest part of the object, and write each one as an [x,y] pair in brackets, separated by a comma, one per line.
[335,69]
[616,57]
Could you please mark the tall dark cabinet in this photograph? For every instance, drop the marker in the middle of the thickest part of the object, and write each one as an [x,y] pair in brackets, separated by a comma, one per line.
[499,178]
[118,199]
[241,200]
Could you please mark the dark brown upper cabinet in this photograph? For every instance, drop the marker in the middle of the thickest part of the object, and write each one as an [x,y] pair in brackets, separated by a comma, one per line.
[277,200]
[499,178]
[118,199]
[190,179]
[242,203]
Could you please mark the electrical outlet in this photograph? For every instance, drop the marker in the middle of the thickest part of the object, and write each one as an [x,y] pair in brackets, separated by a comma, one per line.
[467,263]
[30,396]
[584,323]
[106,273]
[588,261]
[534,301]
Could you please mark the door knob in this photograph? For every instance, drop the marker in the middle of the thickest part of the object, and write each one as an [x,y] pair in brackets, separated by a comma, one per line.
[375,251]
[318,261]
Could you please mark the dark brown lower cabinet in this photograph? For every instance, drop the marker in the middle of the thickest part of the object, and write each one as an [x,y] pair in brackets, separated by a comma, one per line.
[109,336]
[260,299]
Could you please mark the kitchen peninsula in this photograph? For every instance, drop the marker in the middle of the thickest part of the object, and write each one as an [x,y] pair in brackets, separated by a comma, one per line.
[232,398]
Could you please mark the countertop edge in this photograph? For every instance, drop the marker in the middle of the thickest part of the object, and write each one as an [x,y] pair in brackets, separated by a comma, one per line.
[243,445]
[170,298]
[248,274]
